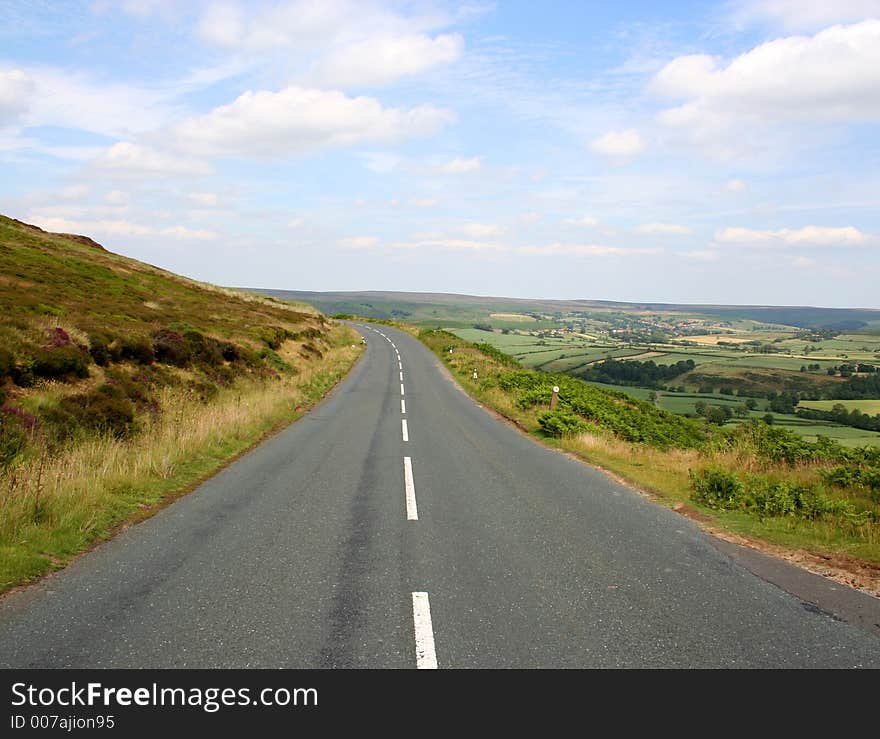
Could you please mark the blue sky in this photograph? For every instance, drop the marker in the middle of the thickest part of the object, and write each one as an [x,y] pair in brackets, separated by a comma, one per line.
[678,152]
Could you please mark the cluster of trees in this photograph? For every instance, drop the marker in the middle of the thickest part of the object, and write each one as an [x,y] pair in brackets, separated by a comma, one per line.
[839,414]
[865,387]
[633,372]
[848,370]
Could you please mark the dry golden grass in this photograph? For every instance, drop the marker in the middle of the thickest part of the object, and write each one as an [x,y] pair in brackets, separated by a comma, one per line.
[53,506]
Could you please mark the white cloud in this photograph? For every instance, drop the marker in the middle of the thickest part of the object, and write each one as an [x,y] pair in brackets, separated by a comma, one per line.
[295,223]
[702,255]
[736,185]
[586,222]
[803,262]
[91,228]
[424,202]
[806,14]
[807,236]
[188,234]
[834,75]
[664,229]
[115,227]
[126,158]
[298,25]
[619,144]
[530,217]
[482,230]
[74,192]
[205,199]
[16,89]
[297,120]
[440,242]
[384,59]
[462,166]
[380,162]
[584,250]
[358,242]
[116,197]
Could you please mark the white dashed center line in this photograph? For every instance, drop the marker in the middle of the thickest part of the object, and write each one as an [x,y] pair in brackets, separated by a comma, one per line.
[404,430]
[401,390]
[426,654]
[412,512]
[401,376]
[403,406]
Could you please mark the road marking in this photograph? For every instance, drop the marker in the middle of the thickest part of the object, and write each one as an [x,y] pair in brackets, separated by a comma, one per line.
[404,430]
[401,376]
[394,345]
[401,389]
[426,654]
[412,512]
[403,406]
[399,364]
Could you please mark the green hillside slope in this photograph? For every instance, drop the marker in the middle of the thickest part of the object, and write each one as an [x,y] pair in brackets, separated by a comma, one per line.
[121,383]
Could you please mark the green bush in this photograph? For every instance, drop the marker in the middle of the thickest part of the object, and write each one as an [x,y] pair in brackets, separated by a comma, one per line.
[715,487]
[138,349]
[273,336]
[766,497]
[205,350]
[170,347]
[561,423]
[99,348]
[16,426]
[7,363]
[105,409]
[60,363]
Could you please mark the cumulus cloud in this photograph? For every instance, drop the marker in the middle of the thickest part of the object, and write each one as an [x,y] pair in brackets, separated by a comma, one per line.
[482,230]
[736,185]
[188,234]
[204,199]
[117,227]
[358,242]
[441,242]
[805,14]
[664,229]
[116,197]
[16,89]
[586,222]
[384,59]
[462,166]
[701,255]
[619,144]
[128,159]
[297,120]
[806,236]
[584,250]
[424,202]
[833,75]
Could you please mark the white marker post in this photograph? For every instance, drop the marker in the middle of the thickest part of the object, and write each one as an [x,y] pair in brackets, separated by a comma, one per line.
[555,397]
[475,373]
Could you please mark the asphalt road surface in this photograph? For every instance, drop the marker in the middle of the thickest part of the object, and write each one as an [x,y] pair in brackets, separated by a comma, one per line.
[399,525]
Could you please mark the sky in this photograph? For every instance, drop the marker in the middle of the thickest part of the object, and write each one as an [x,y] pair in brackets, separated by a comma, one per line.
[685,152]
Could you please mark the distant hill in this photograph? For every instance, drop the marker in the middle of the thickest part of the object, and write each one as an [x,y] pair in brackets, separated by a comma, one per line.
[428,307]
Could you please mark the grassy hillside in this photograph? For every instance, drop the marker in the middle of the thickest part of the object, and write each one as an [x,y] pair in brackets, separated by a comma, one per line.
[121,383]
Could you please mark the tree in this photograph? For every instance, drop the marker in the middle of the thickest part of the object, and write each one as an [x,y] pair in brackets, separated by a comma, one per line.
[768,419]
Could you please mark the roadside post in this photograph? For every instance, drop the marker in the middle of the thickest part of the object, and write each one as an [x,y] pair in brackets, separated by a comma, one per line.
[555,397]
[475,373]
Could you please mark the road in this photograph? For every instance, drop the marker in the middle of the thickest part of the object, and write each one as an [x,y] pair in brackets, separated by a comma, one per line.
[325,547]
